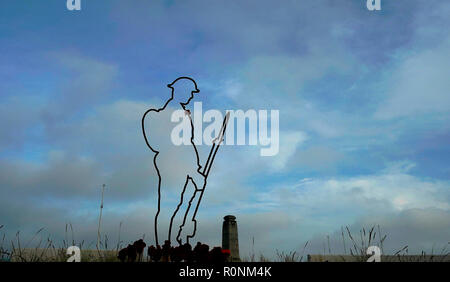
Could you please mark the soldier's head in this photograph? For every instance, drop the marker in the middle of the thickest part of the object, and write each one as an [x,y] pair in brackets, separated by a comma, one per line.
[183,89]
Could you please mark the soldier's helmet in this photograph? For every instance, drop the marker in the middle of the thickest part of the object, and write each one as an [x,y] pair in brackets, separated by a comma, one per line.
[184,83]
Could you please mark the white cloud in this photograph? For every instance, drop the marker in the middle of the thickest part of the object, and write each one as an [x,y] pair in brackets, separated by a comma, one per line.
[289,142]
[393,190]
[420,85]
[263,80]
[325,204]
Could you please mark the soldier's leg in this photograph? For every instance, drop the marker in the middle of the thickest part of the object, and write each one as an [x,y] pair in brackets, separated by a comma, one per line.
[161,213]
[189,205]
[167,201]
[189,226]
[177,212]
[158,208]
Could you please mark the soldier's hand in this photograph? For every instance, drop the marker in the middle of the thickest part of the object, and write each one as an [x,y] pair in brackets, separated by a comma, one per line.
[199,180]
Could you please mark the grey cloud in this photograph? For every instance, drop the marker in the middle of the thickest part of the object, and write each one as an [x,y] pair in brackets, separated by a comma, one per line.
[227,31]
[85,82]
[426,230]
[18,116]
[61,176]
[316,158]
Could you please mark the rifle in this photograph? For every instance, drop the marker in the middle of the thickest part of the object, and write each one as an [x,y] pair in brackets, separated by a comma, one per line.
[212,154]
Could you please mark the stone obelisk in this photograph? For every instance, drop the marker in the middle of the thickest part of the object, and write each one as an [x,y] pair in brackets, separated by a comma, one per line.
[230,237]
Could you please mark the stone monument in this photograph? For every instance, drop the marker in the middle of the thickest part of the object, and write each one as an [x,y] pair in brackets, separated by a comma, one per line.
[230,237]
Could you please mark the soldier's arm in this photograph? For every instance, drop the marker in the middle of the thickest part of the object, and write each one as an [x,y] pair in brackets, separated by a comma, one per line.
[146,129]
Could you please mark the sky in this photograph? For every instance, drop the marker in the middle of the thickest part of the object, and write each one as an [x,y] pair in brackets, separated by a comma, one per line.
[363,98]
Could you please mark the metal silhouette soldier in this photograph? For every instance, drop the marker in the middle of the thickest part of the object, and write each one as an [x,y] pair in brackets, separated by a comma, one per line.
[176,173]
